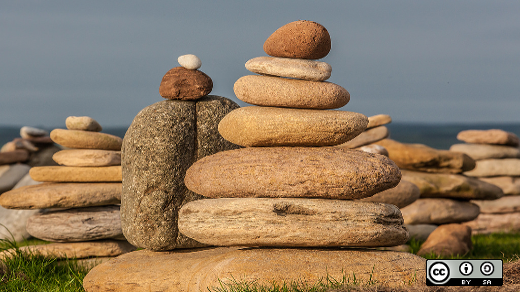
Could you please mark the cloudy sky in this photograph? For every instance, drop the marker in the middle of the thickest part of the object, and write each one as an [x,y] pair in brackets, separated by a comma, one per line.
[418,61]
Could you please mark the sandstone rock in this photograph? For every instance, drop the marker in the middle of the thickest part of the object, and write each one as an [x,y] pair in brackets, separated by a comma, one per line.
[420,231]
[199,269]
[87,157]
[312,172]
[82,124]
[495,223]
[300,39]
[12,176]
[378,120]
[293,93]
[423,158]
[15,156]
[493,136]
[76,174]
[62,195]
[373,148]
[485,151]
[292,68]
[163,140]
[455,186]
[86,139]
[448,240]
[189,61]
[439,211]
[509,185]
[27,132]
[367,137]
[271,126]
[81,224]
[402,195]
[508,204]
[184,84]
[292,222]
[496,167]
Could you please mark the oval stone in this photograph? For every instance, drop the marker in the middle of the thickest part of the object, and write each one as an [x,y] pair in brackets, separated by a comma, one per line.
[439,211]
[86,139]
[270,126]
[87,157]
[82,124]
[292,68]
[76,174]
[378,120]
[495,167]
[493,136]
[283,92]
[368,136]
[278,172]
[402,195]
[185,84]
[486,151]
[189,61]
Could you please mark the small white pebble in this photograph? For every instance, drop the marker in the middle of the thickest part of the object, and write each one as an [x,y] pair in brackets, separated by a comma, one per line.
[190,61]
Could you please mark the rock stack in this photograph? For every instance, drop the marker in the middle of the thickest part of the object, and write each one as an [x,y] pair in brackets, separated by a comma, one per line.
[497,157]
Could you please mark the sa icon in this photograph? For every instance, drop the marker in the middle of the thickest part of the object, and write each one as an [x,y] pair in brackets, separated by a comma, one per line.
[439,272]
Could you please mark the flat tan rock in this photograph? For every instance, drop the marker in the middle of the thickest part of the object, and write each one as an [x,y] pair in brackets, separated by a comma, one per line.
[496,167]
[185,84]
[62,195]
[439,211]
[82,124]
[87,157]
[86,140]
[509,185]
[493,136]
[311,172]
[485,151]
[270,126]
[402,195]
[292,68]
[448,240]
[378,120]
[423,158]
[495,223]
[373,148]
[292,222]
[199,269]
[367,137]
[19,155]
[508,204]
[76,174]
[293,93]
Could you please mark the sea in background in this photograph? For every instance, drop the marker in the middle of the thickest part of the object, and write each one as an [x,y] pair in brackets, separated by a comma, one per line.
[439,136]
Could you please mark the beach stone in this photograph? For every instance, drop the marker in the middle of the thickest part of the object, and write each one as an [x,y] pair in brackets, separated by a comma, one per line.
[300,39]
[87,157]
[76,174]
[455,186]
[184,84]
[292,222]
[495,223]
[439,211]
[62,195]
[448,240]
[420,231]
[15,156]
[284,172]
[508,204]
[373,148]
[423,158]
[17,144]
[43,157]
[83,123]
[9,146]
[292,93]
[199,269]
[163,140]
[40,140]
[189,61]
[4,168]
[27,132]
[485,151]
[80,224]
[292,68]
[402,195]
[86,139]
[493,136]
[509,185]
[496,167]
[270,126]
[378,120]
[12,176]
[367,137]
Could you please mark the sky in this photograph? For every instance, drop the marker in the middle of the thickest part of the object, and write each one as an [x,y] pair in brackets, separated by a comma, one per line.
[418,61]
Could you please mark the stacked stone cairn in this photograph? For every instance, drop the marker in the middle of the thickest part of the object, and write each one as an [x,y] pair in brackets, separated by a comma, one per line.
[497,157]
[81,195]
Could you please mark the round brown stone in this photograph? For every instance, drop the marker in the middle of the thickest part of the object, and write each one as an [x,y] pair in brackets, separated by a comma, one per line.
[185,84]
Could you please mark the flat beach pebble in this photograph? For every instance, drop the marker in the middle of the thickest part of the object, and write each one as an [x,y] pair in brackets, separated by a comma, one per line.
[189,61]
[292,68]
[82,124]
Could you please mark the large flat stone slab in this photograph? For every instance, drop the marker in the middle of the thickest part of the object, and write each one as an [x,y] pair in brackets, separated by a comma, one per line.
[292,68]
[496,167]
[199,269]
[493,136]
[87,157]
[485,151]
[76,174]
[439,211]
[86,139]
[493,223]
[292,222]
[310,172]
[402,195]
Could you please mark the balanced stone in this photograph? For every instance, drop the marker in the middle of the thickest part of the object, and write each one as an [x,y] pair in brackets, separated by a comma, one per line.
[184,84]
[292,222]
[200,269]
[493,136]
[509,185]
[485,151]
[311,172]
[378,120]
[420,231]
[495,223]
[448,240]
[82,124]
[13,224]
[76,174]
[300,39]
[62,195]
[292,68]
[367,137]
[12,175]
[271,126]
[294,93]
[439,211]
[189,61]
[402,195]
[86,139]
[17,144]
[87,157]
[423,158]
[374,148]
[81,224]
[31,132]
[508,204]
[496,167]
[15,156]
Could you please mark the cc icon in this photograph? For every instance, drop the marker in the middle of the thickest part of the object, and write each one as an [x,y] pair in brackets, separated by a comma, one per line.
[439,272]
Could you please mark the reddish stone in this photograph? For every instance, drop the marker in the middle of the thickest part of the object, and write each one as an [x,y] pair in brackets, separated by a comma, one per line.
[184,84]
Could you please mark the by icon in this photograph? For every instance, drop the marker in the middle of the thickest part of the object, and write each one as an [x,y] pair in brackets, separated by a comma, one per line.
[466,268]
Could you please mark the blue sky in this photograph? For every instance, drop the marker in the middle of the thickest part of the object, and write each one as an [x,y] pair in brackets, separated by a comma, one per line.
[418,61]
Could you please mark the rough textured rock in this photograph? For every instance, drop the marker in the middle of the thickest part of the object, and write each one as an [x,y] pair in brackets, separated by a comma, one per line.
[439,211]
[196,270]
[184,84]
[82,124]
[292,222]
[402,195]
[19,155]
[12,176]
[312,172]
[300,39]
[508,204]
[86,140]
[76,174]
[367,137]
[493,136]
[455,186]
[81,224]
[292,68]
[496,167]
[484,151]
[509,185]
[271,126]
[420,231]
[448,240]
[292,93]
[378,120]
[62,195]
[163,140]
[493,223]
[374,148]
[87,157]
[423,158]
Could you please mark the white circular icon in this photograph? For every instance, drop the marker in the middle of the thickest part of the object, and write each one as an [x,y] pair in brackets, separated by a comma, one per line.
[466,268]
[487,268]
[439,272]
